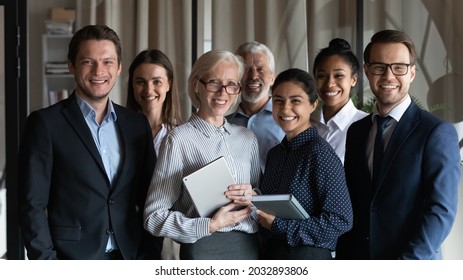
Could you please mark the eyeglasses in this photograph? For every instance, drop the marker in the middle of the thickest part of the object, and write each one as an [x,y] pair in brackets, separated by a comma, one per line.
[398,69]
[215,87]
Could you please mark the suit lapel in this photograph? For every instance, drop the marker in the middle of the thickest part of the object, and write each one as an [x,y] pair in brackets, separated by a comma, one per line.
[75,118]
[402,131]
[356,164]
[363,139]
[123,129]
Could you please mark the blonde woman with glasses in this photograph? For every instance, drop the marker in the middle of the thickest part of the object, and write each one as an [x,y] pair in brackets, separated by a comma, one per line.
[214,85]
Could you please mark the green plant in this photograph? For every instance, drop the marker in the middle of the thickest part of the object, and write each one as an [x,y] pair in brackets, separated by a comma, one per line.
[432,108]
[366,106]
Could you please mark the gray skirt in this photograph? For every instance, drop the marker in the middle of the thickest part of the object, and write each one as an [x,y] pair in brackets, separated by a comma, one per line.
[277,249]
[234,245]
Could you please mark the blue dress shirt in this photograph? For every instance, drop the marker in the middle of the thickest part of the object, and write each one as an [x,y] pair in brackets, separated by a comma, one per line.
[267,131]
[107,141]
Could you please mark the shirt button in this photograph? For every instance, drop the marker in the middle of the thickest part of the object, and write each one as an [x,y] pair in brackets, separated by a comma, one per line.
[111,201]
[109,232]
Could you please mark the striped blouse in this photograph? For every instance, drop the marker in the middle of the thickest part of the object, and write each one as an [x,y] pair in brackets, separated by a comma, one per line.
[169,211]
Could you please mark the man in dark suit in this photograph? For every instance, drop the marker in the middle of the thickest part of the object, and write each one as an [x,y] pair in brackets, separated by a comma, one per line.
[86,163]
[405,204]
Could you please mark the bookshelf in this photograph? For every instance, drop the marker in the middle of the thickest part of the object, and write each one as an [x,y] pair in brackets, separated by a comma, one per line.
[57,81]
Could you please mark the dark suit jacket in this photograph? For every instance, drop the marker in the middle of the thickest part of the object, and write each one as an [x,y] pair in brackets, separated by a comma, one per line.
[67,206]
[414,206]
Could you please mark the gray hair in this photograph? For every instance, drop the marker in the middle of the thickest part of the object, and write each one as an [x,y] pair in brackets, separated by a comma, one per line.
[255,47]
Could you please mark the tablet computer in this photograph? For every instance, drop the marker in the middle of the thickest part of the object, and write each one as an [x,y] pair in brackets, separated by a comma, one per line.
[207,186]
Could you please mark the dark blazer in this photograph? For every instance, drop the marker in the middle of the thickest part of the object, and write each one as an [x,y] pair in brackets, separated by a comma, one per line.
[414,206]
[67,206]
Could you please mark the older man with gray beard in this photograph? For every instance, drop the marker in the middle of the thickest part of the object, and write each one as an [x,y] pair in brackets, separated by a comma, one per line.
[255,109]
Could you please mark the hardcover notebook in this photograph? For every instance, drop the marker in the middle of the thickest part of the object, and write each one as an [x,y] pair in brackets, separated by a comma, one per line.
[207,186]
[281,205]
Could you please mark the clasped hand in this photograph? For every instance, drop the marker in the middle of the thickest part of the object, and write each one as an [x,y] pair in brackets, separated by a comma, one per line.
[240,196]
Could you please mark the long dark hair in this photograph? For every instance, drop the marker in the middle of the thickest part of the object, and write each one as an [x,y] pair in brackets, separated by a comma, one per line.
[171,114]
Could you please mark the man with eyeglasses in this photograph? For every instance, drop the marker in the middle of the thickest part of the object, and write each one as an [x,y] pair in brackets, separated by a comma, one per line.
[402,164]
[255,109]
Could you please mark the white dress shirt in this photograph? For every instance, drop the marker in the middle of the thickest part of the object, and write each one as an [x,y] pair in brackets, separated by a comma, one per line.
[335,130]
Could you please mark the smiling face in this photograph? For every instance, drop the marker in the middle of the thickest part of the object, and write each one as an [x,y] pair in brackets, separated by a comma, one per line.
[258,77]
[95,70]
[334,79]
[214,105]
[388,88]
[291,108]
[150,86]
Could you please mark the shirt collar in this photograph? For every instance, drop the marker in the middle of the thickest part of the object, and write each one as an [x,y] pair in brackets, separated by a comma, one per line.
[298,141]
[87,110]
[267,107]
[397,112]
[343,117]
[208,129]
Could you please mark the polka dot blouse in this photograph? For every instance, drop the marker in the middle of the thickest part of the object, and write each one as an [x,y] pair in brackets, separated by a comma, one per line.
[308,168]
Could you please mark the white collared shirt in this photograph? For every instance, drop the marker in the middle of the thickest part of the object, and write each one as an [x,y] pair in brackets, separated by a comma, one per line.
[335,130]
[157,140]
